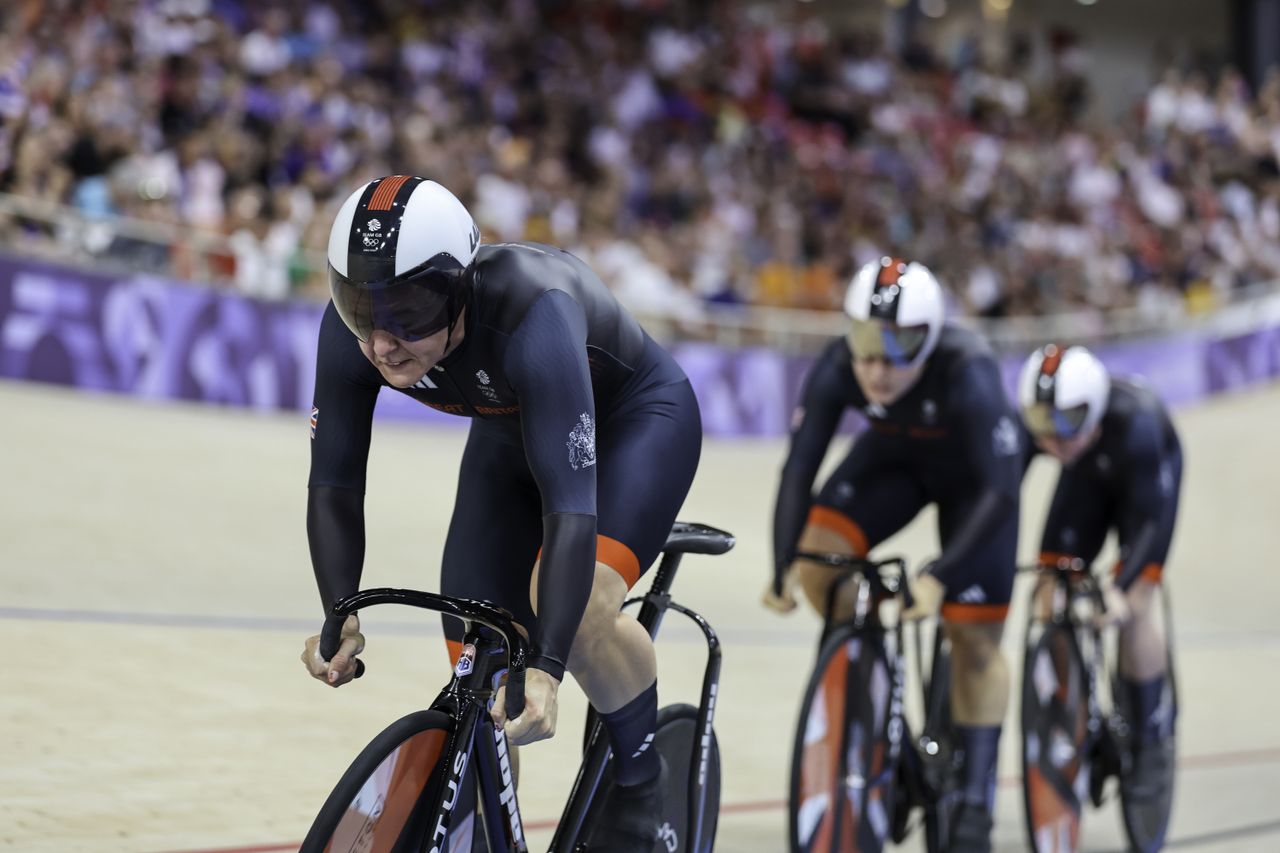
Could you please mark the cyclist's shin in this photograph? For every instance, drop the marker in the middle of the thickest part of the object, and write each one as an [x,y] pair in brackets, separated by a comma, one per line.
[631,729]
[980,745]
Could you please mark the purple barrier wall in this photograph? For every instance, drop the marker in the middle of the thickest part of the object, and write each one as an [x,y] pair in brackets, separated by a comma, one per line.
[160,339]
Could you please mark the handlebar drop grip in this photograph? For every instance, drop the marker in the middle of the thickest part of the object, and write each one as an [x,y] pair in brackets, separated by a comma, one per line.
[331,640]
[331,636]
[515,693]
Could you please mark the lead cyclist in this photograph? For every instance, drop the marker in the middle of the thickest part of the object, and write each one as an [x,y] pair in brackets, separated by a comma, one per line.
[584,439]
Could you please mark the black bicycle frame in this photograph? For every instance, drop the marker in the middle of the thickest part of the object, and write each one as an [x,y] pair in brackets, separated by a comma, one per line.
[488,635]
[653,606]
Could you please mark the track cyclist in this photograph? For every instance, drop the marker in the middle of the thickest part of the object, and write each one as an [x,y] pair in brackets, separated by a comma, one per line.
[1122,469]
[584,439]
[942,431]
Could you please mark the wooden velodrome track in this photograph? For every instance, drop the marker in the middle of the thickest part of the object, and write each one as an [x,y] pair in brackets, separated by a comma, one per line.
[157,589]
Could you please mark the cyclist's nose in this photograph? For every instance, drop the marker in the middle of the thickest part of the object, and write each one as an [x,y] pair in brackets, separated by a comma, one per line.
[382,342]
[877,370]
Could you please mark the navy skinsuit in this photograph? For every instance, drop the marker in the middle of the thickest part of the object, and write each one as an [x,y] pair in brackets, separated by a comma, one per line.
[953,439]
[584,441]
[1129,479]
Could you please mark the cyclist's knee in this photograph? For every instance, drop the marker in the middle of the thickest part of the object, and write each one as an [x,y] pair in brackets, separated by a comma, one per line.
[1141,598]
[815,579]
[600,619]
[608,590]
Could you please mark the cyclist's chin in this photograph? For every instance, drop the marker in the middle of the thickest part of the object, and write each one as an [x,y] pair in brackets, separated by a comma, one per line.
[885,396]
[402,376]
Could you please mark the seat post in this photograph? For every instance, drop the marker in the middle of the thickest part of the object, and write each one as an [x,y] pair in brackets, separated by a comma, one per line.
[665,575]
[659,595]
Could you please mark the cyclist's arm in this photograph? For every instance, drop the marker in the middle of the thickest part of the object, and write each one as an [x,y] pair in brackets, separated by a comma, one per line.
[1147,498]
[815,420]
[345,393]
[994,441]
[547,364]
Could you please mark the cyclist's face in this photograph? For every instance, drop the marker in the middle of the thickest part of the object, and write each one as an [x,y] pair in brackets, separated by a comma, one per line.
[882,381]
[401,362]
[1067,450]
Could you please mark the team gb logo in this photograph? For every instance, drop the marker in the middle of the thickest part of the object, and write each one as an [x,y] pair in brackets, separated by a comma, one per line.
[582,443]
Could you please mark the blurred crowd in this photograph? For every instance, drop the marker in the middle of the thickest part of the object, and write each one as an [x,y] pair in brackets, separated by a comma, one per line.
[692,152]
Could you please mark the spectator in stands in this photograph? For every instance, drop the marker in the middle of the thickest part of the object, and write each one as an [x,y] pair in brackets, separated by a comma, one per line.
[766,154]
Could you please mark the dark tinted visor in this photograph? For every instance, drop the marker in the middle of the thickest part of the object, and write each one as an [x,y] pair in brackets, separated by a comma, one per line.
[876,339]
[1044,420]
[411,306]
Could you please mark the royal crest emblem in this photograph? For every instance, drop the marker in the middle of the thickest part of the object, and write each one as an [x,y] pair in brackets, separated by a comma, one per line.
[582,443]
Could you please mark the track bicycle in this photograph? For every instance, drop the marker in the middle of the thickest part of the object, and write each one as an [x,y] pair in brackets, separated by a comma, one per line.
[857,772]
[1071,743]
[400,793]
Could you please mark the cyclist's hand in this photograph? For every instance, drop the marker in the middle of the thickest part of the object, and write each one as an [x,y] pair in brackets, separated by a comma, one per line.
[538,721]
[928,593]
[1117,607]
[342,668]
[786,602]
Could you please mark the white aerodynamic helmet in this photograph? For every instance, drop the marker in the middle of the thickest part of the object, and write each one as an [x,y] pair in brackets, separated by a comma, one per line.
[897,311]
[1063,391]
[399,251]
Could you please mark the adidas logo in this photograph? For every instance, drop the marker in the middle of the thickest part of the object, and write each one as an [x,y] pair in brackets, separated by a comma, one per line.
[972,595]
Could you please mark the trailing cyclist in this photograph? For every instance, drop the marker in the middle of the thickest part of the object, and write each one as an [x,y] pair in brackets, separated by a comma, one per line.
[1121,469]
[941,431]
[560,505]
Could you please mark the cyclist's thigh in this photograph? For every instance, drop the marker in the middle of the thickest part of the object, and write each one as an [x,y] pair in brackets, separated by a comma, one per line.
[978,591]
[869,497]
[1078,520]
[648,454]
[1170,486]
[495,531]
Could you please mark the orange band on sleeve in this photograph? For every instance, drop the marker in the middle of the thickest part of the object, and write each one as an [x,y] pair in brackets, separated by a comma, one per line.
[618,557]
[971,614]
[841,525]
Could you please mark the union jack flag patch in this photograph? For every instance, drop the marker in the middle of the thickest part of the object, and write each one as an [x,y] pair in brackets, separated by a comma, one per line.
[315,415]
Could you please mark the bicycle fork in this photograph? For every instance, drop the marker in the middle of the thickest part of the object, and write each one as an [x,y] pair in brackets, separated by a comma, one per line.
[478,743]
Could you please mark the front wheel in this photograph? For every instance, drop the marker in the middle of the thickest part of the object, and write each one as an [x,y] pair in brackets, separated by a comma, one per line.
[1055,738]
[842,764]
[381,802]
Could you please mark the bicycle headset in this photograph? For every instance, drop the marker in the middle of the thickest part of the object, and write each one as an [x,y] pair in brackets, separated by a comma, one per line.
[1062,391]
[400,255]
[896,312]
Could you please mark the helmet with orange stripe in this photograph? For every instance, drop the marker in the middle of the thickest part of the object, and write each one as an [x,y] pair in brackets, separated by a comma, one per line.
[896,312]
[1063,392]
[399,252]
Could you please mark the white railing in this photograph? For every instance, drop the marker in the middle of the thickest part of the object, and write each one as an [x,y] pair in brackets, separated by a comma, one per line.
[63,234]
